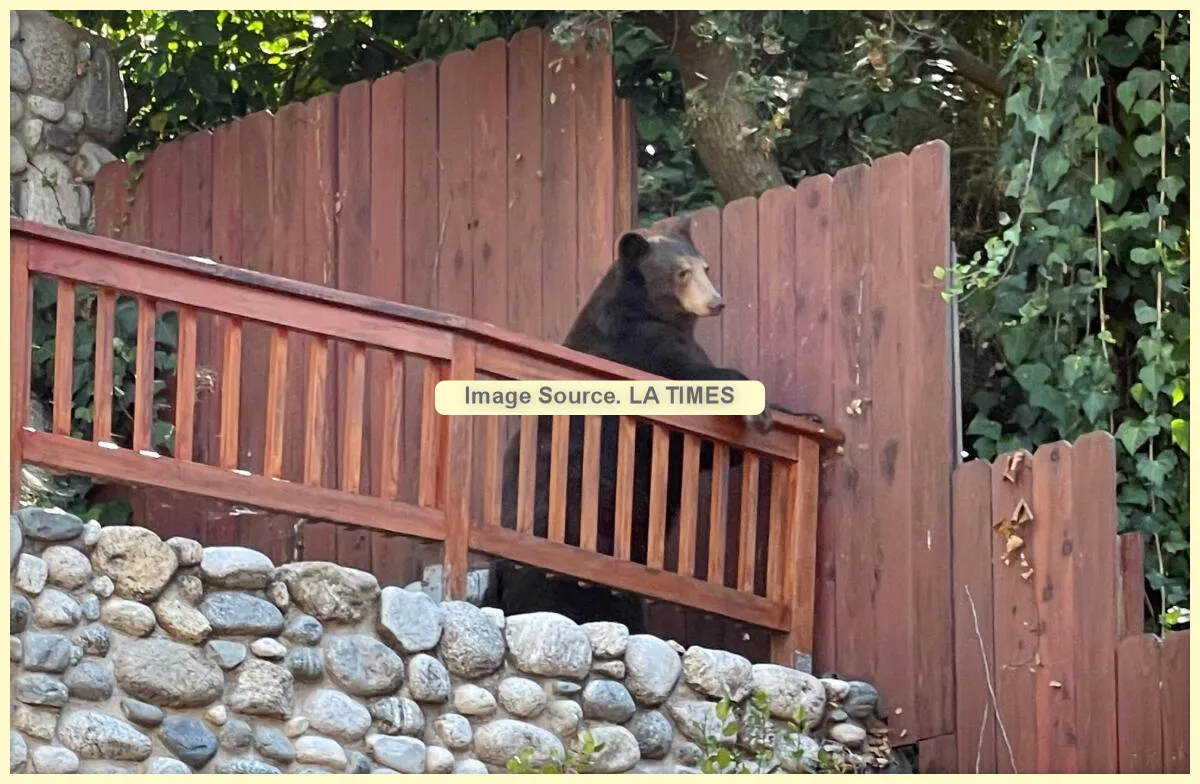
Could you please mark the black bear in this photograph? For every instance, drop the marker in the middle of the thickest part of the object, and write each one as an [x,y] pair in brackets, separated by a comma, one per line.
[643,315]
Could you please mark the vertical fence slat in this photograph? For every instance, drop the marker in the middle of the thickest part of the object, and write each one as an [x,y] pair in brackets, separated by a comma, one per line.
[64,358]
[195,238]
[352,420]
[800,516]
[560,434]
[590,484]
[591,91]
[1132,566]
[524,201]
[689,507]
[747,525]
[492,470]
[1015,622]
[657,535]
[1140,701]
[315,408]
[143,386]
[527,473]
[428,488]
[277,365]
[231,377]
[455,478]
[391,427]
[1093,488]
[453,260]
[1054,582]
[623,523]
[560,226]
[886,322]
[813,390]
[185,391]
[781,534]
[1176,694]
[106,302]
[718,511]
[974,648]
[706,236]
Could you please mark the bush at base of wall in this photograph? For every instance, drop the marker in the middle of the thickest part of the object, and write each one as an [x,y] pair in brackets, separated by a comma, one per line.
[131,654]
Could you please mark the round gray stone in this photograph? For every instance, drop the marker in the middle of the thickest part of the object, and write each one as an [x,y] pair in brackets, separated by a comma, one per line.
[225,654]
[167,674]
[55,609]
[68,568]
[91,681]
[847,734]
[236,567]
[49,525]
[35,721]
[428,680]
[245,766]
[472,700]
[337,715]
[563,718]
[189,740]
[166,765]
[274,745]
[409,621]
[330,592]
[303,629]
[46,108]
[48,44]
[31,574]
[40,689]
[304,664]
[438,760]
[787,690]
[98,736]
[236,734]
[189,552]
[19,77]
[268,648]
[716,673]
[619,753]
[606,700]
[406,755]
[19,610]
[398,716]
[502,739]
[522,697]
[15,537]
[653,732]
[89,607]
[608,639]
[471,645]
[316,750]
[357,762]
[454,730]
[362,665]
[142,713]
[652,669]
[235,614]
[101,586]
[129,617]
[94,639]
[182,621]
[862,700]
[548,644]
[470,766]
[139,563]
[261,688]
[55,759]
[46,652]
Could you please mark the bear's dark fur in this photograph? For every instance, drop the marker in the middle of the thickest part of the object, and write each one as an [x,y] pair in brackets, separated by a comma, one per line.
[643,315]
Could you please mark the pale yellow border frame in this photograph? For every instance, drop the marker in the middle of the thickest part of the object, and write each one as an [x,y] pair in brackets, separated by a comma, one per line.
[5,359]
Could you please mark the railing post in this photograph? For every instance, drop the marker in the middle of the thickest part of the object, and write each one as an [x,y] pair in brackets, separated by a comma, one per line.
[794,647]
[455,476]
[21,348]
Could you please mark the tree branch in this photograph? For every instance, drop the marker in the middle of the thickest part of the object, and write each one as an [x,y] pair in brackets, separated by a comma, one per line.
[967,65]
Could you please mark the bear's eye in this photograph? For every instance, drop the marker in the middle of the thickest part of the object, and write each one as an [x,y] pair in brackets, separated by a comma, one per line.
[683,273]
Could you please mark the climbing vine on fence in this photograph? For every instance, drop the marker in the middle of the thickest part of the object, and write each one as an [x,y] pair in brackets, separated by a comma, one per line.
[1084,293]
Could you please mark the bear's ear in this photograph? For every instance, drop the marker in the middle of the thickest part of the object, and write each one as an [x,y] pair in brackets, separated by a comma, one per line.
[630,250]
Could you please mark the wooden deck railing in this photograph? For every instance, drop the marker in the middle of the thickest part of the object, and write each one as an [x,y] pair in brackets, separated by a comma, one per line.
[452,503]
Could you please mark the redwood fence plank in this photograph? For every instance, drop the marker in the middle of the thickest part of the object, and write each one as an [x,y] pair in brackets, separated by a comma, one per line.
[938,754]
[453,257]
[560,220]
[524,225]
[595,160]
[195,238]
[1132,566]
[1176,716]
[974,649]
[706,236]
[1140,701]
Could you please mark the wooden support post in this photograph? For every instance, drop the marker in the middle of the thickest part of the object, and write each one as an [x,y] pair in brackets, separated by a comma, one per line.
[21,348]
[794,648]
[455,477]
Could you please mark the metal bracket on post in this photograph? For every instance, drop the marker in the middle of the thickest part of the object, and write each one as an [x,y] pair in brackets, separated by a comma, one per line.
[802,661]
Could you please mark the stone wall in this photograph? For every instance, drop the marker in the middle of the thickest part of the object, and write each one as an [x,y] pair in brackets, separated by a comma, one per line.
[67,105]
[131,654]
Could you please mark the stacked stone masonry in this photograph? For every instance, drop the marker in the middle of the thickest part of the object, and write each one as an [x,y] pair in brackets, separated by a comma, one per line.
[66,109]
[131,654]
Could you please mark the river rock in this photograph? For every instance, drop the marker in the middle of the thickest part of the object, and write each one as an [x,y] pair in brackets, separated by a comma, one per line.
[139,563]
[607,701]
[236,567]
[274,745]
[15,537]
[189,740]
[654,733]
[245,766]
[470,766]
[190,588]
[40,689]
[91,681]
[49,525]
[316,750]
[652,669]
[398,716]
[142,713]
[236,734]
[362,665]
[522,697]
[35,721]
[167,674]
[304,664]
[166,765]
[18,752]
[235,614]
[55,759]
[94,639]
[787,690]
[502,739]
[19,610]
[188,551]
[619,753]
[406,755]
[31,574]
[608,639]
[337,715]
[472,700]
[861,701]
[182,621]
[454,730]
[303,630]
[225,654]
[268,648]
[46,652]
[438,760]
[697,720]
[261,688]
[99,736]
[101,586]
[548,644]
[716,673]
[563,718]
[89,607]
[471,645]
[848,734]
[330,592]
[409,621]
[428,680]
[67,567]
[55,609]
[129,617]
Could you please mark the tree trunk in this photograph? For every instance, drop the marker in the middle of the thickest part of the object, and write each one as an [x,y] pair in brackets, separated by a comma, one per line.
[739,164]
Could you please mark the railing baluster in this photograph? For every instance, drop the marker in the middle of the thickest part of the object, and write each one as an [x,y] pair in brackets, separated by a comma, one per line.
[352,419]
[185,385]
[392,426]
[656,544]
[623,533]
[231,390]
[277,366]
[560,432]
[64,358]
[314,403]
[491,470]
[748,525]
[779,533]
[143,385]
[590,495]
[688,506]
[526,473]
[455,477]
[716,521]
[106,303]
[427,483]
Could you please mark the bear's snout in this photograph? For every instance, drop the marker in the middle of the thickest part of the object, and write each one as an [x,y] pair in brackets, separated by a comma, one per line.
[716,305]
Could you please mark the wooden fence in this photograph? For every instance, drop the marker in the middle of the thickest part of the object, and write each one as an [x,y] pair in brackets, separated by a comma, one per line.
[91,275]
[1052,671]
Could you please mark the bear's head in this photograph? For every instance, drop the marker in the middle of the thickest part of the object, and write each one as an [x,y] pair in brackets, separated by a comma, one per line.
[671,272]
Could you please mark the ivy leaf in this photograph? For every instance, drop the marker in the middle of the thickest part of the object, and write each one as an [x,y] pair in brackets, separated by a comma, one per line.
[1144,313]
[1049,399]
[1170,187]
[1152,379]
[1105,190]
[1119,50]
[1179,434]
[1127,93]
[1039,124]
[1139,29]
[1148,144]
[1032,375]
[1134,433]
[1177,56]
[982,426]
[1095,405]
[1054,166]
[1147,110]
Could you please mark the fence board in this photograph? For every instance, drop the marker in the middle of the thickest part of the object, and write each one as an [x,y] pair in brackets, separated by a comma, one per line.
[453,257]
[1176,693]
[932,439]
[1139,699]
[886,318]
[560,219]
[938,754]
[195,238]
[1093,489]
[1015,624]
[1131,557]
[525,69]
[595,161]
[975,655]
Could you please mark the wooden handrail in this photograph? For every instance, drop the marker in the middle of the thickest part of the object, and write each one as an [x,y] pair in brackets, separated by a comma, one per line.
[451,347]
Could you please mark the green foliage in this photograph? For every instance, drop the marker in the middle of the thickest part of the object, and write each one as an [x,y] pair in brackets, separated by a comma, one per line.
[45,307]
[1085,292]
